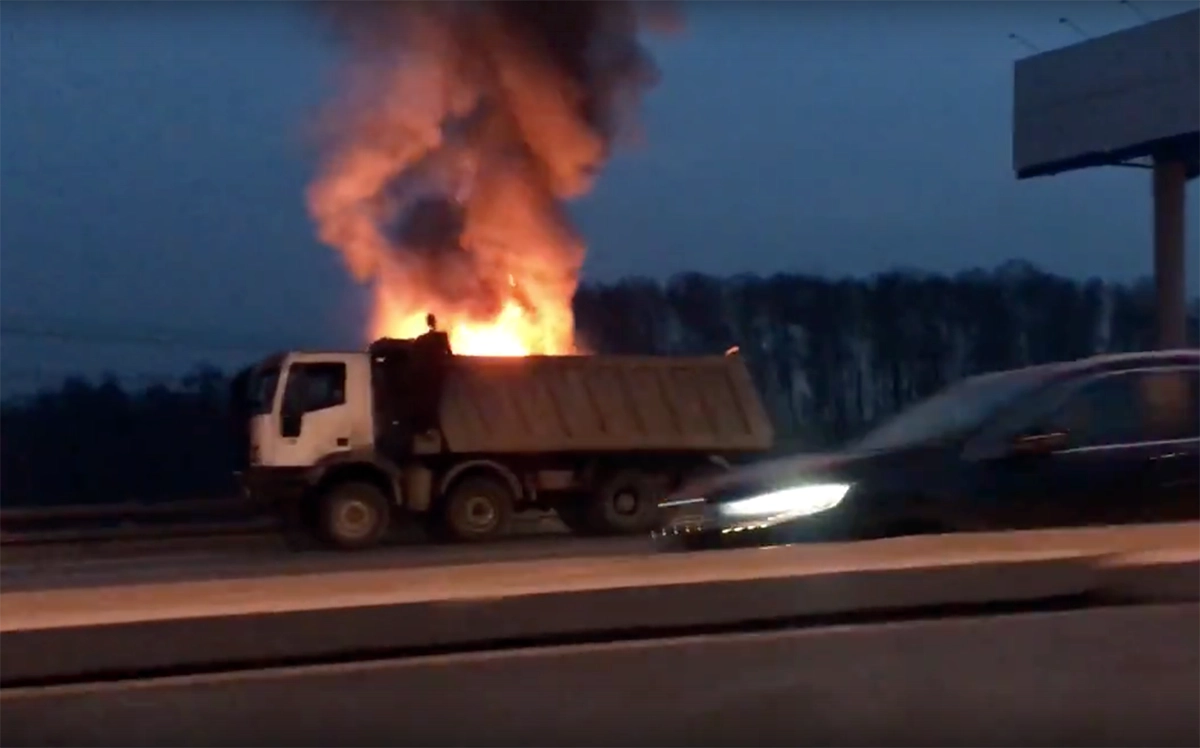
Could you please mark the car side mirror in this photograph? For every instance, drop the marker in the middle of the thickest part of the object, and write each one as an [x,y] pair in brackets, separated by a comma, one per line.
[290,423]
[1038,442]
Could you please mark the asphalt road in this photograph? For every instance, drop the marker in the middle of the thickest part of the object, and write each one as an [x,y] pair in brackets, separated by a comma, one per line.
[233,558]
[156,630]
[1117,677]
[266,556]
[177,588]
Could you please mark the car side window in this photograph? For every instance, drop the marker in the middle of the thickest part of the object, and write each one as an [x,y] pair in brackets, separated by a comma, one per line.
[315,386]
[1171,402]
[1128,408]
[1193,407]
[1027,416]
[1104,412]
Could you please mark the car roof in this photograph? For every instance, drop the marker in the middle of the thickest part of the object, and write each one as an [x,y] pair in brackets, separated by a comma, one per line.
[1106,362]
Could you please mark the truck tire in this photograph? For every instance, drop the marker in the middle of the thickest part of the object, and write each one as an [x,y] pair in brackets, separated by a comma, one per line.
[625,504]
[354,516]
[477,508]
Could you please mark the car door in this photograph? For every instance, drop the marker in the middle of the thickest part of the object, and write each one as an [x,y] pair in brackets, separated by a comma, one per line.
[1101,459]
[1172,402]
[1102,476]
[1000,487]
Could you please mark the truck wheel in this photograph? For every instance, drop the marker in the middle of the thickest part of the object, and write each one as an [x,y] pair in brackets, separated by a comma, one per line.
[477,508]
[354,516]
[626,504]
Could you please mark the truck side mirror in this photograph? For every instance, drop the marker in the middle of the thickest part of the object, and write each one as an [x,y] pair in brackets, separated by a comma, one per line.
[290,423]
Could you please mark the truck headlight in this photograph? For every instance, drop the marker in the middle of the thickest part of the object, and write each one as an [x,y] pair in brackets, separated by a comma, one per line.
[798,501]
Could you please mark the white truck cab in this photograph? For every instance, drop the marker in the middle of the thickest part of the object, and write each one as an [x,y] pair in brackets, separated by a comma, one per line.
[310,426]
[313,450]
[307,406]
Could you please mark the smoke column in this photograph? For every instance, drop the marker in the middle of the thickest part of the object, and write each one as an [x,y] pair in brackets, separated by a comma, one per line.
[459,132]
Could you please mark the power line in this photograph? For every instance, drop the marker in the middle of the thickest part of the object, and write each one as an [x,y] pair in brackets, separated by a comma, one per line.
[27,374]
[23,384]
[74,332]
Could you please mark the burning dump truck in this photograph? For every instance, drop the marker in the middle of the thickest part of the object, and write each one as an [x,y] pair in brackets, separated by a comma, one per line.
[347,443]
[447,160]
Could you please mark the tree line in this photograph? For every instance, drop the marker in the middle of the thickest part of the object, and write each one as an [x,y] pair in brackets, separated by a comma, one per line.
[830,357]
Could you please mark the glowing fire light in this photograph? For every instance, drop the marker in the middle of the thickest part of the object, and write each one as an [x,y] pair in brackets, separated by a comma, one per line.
[509,334]
[512,332]
[449,155]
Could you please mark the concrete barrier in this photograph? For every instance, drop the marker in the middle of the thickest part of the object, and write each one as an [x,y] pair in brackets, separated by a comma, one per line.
[127,630]
[1111,677]
[254,639]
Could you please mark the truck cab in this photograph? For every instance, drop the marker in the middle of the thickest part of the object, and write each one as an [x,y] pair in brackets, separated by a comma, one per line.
[307,425]
[308,406]
[324,436]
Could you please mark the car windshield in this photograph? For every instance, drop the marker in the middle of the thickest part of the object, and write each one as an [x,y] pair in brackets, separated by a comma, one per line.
[954,411]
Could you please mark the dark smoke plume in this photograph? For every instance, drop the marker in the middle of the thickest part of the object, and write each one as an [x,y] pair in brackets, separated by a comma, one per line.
[463,128]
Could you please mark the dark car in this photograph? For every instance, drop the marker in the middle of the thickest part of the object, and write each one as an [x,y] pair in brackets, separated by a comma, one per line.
[1106,440]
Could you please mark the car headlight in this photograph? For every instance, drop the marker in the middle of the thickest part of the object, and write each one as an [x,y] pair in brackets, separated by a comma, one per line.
[798,501]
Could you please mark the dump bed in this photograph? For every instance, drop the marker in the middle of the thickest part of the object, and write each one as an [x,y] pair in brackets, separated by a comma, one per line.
[602,403]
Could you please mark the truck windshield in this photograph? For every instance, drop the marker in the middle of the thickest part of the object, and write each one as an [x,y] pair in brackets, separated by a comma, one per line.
[953,412]
[262,390]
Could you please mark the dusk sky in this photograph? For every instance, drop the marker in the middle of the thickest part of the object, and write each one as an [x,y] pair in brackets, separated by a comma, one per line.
[154,158]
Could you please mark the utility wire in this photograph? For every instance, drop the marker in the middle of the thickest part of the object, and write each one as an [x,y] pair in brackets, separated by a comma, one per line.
[75,332]
[38,374]
[25,378]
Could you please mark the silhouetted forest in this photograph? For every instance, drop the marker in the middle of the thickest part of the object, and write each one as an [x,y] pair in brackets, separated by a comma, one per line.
[830,357]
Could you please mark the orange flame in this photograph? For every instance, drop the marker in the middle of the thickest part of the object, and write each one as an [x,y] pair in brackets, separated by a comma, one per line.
[501,114]
[509,333]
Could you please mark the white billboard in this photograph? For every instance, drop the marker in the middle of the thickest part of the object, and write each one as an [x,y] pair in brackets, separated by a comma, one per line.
[1108,99]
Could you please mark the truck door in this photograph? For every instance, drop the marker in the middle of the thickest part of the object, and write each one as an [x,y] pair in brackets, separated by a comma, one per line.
[314,417]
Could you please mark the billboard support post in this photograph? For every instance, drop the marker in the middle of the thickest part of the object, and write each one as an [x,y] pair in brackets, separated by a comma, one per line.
[1117,100]
[1170,177]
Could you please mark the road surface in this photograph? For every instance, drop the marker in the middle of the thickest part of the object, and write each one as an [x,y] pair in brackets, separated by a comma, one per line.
[161,628]
[238,558]
[1118,677]
[175,593]
[230,558]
